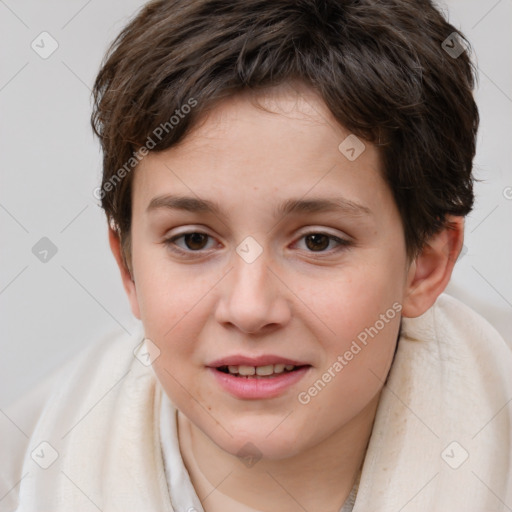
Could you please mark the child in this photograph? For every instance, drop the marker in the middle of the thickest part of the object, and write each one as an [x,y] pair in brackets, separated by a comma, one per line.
[273,372]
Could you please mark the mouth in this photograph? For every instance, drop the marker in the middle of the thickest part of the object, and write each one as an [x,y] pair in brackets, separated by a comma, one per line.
[247,382]
[268,371]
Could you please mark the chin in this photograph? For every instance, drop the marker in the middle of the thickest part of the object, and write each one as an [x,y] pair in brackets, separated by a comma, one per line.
[256,442]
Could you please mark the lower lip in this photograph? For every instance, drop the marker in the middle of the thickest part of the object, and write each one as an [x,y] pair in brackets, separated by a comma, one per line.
[258,388]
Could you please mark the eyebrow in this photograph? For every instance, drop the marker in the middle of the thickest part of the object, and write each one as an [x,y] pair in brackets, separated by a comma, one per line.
[290,206]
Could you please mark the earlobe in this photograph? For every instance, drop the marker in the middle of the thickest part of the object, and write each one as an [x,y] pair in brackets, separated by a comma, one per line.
[128,281]
[431,270]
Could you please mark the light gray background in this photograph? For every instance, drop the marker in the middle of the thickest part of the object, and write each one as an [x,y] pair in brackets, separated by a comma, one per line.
[50,165]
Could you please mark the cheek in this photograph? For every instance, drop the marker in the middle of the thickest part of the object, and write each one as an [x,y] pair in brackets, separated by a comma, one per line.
[174,305]
[360,313]
[353,300]
[166,292]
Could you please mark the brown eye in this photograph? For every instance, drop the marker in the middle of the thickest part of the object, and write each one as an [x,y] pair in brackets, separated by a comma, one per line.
[320,243]
[317,242]
[190,242]
[195,241]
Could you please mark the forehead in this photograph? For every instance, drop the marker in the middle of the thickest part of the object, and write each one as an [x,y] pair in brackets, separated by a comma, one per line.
[279,144]
[265,122]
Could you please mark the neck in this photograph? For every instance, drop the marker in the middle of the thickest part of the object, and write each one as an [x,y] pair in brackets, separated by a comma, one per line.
[315,479]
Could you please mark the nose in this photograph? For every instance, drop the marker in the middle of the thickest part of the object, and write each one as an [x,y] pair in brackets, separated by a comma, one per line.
[253,297]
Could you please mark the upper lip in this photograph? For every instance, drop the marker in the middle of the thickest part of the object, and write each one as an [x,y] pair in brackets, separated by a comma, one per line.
[263,360]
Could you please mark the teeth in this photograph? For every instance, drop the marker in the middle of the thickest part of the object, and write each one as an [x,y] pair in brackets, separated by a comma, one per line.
[279,368]
[263,371]
[246,370]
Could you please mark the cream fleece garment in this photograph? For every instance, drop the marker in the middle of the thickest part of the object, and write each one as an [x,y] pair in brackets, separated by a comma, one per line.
[90,438]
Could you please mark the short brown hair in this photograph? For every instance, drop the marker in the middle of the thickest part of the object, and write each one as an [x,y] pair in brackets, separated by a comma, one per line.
[382,68]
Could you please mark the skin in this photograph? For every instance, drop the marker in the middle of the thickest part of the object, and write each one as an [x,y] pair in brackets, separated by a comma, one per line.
[295,300]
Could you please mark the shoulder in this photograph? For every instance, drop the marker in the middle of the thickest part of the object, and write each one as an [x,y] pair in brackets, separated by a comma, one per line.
[70,381]
[450,323]
[447,390]
[463,361]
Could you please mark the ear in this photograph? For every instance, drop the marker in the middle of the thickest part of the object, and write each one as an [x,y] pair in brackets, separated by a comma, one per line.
[431,270]
[128,282]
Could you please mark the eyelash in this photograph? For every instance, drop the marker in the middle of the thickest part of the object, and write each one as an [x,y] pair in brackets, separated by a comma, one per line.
[169,242]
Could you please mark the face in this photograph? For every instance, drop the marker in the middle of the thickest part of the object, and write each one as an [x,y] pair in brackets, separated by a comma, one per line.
[254,265]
